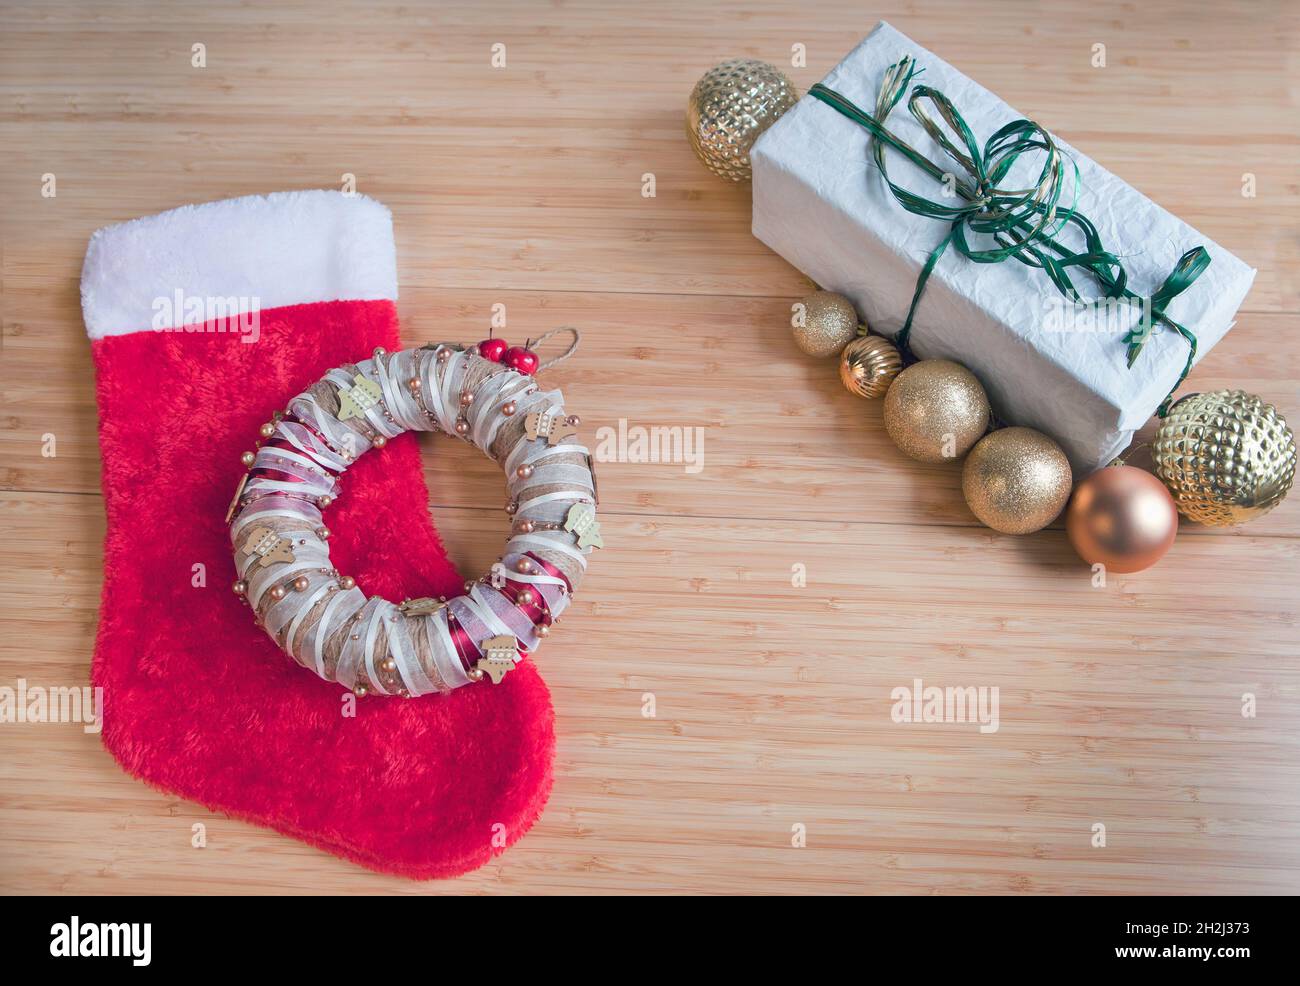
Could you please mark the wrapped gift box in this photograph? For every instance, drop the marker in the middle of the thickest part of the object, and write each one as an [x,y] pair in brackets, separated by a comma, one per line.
[821,203]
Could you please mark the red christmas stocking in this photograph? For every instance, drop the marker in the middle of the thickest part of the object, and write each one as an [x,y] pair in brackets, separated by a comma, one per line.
[203,321]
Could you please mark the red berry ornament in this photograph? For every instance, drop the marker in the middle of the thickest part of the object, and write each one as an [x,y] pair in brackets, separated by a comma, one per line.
[492,349]
[521,359]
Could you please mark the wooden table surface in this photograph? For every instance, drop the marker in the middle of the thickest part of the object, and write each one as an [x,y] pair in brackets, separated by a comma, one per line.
[522,185]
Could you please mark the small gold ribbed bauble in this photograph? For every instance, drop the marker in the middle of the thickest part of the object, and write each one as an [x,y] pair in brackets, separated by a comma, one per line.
[826,324]
[1016,480]
[868,366]
[1226,456]
[935,410]
[730,107]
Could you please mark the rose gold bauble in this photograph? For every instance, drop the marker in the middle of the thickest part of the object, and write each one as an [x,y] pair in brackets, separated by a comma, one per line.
[1121,517]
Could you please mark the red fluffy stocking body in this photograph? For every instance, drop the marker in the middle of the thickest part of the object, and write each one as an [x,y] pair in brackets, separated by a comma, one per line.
[197,700]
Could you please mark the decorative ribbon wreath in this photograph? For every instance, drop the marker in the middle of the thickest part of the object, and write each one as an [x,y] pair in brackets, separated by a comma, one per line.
[329,625]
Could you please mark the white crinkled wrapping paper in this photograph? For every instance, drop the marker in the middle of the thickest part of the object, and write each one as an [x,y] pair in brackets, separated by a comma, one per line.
[820,202]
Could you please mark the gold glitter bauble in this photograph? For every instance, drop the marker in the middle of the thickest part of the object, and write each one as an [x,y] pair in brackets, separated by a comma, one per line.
[1226,456]
[730,107]
[1016,480]
[935,410]
[829,323]
[868,366]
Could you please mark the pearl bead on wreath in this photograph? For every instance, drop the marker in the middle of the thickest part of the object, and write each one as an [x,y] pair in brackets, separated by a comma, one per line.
[348,582]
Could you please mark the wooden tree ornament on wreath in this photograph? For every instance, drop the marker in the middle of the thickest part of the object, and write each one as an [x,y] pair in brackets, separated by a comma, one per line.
[320,617]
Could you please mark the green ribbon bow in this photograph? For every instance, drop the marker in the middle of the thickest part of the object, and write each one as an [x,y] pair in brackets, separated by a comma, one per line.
[1022,223]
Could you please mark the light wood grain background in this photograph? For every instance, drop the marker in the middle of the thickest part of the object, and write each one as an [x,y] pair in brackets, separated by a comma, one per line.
[522,185]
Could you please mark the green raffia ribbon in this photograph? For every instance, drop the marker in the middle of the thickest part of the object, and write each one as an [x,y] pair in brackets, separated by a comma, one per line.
[1023,223]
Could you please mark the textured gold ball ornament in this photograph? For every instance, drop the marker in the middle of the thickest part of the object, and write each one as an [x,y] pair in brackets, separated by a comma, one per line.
[730,107]
[1016,480]
[935,410]
[868,366]
[825,323]
[1226,456]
